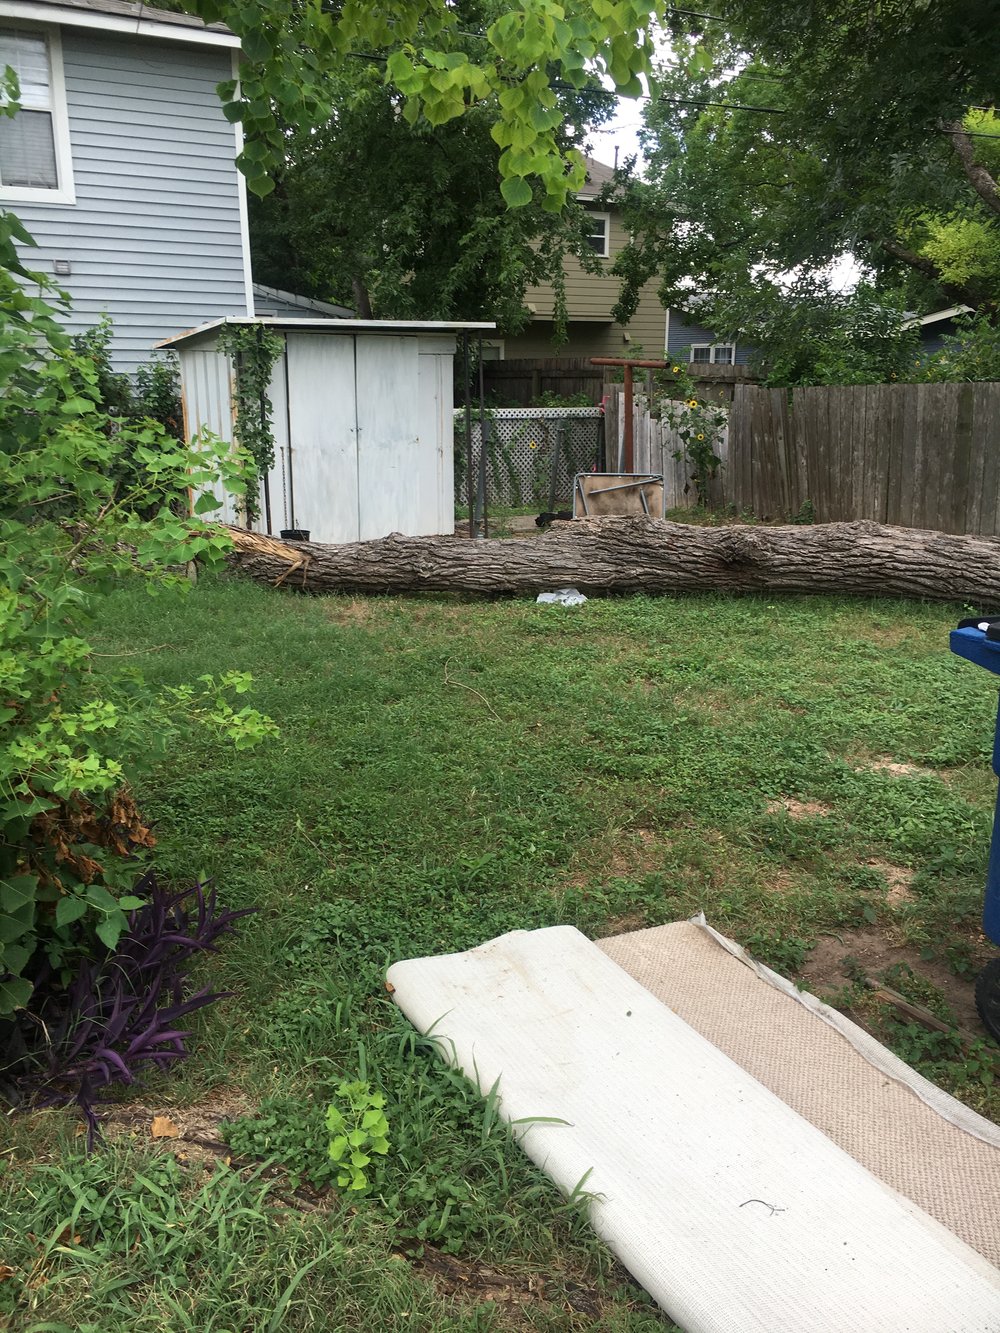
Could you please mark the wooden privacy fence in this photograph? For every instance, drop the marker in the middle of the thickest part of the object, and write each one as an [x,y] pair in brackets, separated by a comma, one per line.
[916,455]
[654,446]
[522,381]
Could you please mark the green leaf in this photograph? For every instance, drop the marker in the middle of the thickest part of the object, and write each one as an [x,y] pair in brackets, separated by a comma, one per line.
[15,993]
[15,925]
[14,957]
[109,931]
[516,191]
[17,891]
[70,909]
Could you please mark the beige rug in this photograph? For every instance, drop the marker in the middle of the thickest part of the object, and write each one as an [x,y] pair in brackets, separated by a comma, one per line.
[944,1158]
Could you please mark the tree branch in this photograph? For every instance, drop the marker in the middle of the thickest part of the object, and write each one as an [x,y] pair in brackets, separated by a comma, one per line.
[979,178]
[959,295]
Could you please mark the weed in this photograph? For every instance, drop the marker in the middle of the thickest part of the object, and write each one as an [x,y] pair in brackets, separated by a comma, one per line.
[358,1128]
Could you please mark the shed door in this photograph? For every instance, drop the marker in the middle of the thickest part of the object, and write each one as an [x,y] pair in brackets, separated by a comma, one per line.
[389,498]
[324,436]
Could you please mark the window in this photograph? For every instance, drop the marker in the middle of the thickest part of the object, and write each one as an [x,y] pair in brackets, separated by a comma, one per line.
[34,144]
[716,354]
[598,229]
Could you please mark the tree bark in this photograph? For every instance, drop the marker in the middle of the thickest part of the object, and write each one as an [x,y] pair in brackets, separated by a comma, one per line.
[978,177]
[640,555]
[953,291]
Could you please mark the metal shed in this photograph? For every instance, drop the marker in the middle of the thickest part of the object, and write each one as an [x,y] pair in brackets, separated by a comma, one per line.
[362,421]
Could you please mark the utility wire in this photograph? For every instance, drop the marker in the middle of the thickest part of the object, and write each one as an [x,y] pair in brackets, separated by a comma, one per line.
[684,101]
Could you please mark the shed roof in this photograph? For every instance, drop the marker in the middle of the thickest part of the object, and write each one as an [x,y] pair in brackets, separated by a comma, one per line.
[382,326]
[126,16]
[262,292]
[937,316]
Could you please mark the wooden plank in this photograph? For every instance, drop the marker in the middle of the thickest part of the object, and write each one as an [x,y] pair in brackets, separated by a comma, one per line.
[733,483]
[779,425]
[909,454]
[753,482]
[771,499]
[865,443]
[962,466]
[846,453]
[984,477]
[804,407]
[828,406]
[939,455]
[797,429]
[879,428]
[759,455]
[819,409]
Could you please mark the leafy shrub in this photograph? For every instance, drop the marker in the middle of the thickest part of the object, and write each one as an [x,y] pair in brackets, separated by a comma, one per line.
[119,1013]
[73,519]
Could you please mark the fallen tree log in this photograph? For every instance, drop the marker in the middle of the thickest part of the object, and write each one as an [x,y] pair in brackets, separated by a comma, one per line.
[641,555]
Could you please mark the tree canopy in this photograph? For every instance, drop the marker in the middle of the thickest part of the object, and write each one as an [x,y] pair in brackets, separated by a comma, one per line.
[515,65]
[407,220]
[780,141]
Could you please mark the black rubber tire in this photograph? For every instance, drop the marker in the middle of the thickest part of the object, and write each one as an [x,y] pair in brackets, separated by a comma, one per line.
[988,997]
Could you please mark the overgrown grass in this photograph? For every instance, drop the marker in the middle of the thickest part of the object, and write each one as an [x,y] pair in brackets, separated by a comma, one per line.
[446,772]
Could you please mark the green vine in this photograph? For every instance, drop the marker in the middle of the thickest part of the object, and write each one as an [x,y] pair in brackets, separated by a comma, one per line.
[253,350]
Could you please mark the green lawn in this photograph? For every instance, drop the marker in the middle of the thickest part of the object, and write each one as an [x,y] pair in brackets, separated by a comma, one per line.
[447,771]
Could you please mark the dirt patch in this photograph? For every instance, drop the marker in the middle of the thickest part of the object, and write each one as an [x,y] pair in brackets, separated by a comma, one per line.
[885,636]
[875,953]
[886,764]
[638,852]
[357,611]
[781,882]
[476,1282]
[798,809]
[898,878]
[198,1137]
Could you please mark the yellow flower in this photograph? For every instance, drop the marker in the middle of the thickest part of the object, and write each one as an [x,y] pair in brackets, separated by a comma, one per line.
[532,445]
[699,437]
[677,370]
[692,402]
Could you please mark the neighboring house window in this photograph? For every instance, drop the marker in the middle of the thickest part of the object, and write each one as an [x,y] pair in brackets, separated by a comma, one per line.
[34,144]
[716,354]
[599,233]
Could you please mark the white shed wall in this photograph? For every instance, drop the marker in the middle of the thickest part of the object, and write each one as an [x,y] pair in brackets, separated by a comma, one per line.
[363,427]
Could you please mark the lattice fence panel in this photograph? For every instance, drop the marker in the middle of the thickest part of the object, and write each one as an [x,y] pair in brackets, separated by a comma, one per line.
[520,447]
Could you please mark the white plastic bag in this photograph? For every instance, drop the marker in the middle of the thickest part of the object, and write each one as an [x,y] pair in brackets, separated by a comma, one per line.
[563,597]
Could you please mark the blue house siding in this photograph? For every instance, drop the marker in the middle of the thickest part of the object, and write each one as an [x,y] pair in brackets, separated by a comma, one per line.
[154,238]
[683,332]
[932,336]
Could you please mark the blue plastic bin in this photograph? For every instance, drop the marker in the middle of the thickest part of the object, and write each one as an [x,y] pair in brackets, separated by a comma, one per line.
[982,646]
[971,642]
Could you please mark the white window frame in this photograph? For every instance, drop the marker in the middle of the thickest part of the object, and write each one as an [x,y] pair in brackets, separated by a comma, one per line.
[65,193]
[711,348]
[596,217]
